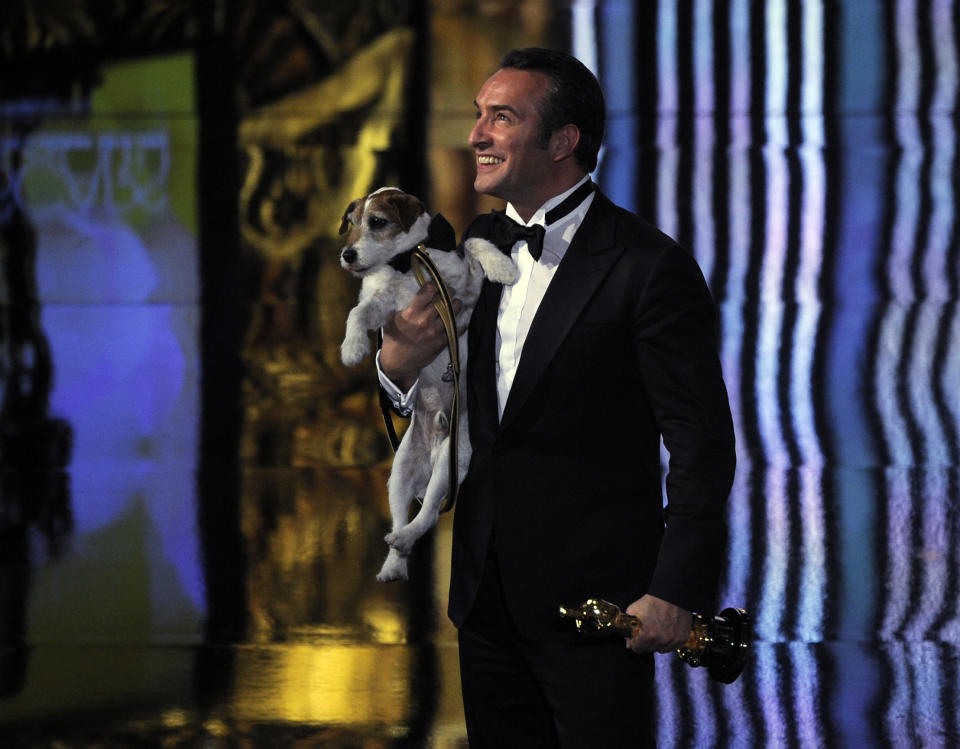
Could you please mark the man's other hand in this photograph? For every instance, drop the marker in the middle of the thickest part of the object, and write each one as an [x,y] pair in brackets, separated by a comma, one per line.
[664,627]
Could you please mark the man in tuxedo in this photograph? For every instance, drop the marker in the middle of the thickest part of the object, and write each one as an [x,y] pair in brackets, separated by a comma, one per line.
[606,343]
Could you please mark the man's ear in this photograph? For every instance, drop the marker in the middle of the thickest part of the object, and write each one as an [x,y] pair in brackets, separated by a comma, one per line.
[564,141]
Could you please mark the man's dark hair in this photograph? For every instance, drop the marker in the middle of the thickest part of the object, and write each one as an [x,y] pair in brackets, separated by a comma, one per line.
[574,96]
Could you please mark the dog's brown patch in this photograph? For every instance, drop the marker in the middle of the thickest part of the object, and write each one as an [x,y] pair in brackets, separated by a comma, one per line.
[407,208]
[345,221]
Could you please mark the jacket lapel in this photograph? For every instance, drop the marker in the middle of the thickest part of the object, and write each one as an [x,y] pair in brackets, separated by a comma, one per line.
[586,263]
[481,361]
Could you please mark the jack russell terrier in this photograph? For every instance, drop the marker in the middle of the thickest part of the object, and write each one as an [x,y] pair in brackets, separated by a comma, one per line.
[385,227]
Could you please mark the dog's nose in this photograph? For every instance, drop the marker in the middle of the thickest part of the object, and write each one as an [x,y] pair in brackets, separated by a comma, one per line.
[349,255]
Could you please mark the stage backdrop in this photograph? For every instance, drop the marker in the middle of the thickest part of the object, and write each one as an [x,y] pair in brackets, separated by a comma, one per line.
[806,153]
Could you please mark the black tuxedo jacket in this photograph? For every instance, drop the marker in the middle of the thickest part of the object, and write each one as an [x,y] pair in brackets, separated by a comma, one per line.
[566,489]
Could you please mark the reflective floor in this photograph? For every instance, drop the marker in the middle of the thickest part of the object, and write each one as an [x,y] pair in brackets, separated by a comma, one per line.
[114,652]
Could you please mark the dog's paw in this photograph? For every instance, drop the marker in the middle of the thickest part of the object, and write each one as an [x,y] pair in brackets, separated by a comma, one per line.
[496,266]
[402,541]
[352,350]
[509,274]
[394,568]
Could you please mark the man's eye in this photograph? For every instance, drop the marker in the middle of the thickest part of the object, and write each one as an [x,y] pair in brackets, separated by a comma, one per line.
[376,222]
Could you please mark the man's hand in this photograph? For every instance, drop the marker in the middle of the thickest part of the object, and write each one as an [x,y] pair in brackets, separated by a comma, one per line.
[664,627]
[413,337]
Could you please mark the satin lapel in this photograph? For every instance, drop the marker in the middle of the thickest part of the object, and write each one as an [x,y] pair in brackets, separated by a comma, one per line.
[586,264]
[481,363]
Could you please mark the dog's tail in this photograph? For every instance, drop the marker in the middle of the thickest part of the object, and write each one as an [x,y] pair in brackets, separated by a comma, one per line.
[496,266]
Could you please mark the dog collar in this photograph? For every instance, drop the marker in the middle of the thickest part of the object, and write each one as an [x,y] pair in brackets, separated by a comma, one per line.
[440,236]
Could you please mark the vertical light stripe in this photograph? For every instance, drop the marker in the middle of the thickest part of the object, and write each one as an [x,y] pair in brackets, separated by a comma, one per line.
[773,602]
[584,47]
[668,96]
[740,83]
[942,222]
[949,378]
[920,385]
[907,86]
[584,33]
[771,280]
[806,686]
[619,84]
[704,230]
[907,81]
[813,68]
[767,669]
[942,219]
[739,209]
[705,716]
[813,584]
[704,129]
[667,711]
[667,220]
[906,210]
[928,708]
[667,113]
[806,292]
[777,64]
[703,64]
[886,380]
[900,551]
[934,504]
[898,708]
[805,333]
[736,712]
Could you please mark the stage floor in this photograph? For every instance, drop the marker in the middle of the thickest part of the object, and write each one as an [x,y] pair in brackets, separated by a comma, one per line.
[340,694]
[111,642]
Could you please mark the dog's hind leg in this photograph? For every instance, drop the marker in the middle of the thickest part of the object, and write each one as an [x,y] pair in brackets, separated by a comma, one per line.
[394,567]
[437,490]
[408,477]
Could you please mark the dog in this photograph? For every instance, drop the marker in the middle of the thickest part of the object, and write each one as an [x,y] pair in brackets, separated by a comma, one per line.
[384,228]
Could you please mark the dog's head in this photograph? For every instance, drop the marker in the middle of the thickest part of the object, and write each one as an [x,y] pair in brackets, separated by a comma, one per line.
[379,227]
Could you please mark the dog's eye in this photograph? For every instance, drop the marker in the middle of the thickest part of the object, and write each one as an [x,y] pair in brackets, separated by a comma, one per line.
[376,222]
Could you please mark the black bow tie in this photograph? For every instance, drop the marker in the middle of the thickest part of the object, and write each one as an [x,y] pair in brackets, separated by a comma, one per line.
[440,236]
[505,232]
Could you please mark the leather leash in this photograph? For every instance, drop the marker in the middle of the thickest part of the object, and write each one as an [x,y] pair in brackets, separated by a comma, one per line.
[424,270]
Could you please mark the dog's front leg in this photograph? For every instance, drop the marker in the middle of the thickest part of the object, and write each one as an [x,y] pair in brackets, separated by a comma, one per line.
[356,343]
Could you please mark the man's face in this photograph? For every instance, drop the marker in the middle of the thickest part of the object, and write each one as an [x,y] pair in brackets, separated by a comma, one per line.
[510,164]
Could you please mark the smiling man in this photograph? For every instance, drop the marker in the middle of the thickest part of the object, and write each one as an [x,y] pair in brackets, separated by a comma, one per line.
[605,344]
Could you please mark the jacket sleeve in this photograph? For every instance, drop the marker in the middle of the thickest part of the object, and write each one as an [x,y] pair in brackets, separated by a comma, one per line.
[675,339]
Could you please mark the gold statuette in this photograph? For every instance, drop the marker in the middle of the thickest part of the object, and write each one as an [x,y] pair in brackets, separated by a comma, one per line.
[719,644]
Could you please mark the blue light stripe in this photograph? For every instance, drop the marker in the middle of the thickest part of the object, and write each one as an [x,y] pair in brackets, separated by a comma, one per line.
[619,84]
[897,577]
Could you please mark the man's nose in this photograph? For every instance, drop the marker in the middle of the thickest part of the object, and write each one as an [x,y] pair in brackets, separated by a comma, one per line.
[478,134]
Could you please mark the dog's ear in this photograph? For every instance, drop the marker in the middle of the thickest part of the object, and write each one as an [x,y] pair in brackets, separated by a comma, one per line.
[345,221]
[408,208]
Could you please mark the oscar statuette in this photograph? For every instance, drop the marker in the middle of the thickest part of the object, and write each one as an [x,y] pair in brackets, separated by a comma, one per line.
[719,644]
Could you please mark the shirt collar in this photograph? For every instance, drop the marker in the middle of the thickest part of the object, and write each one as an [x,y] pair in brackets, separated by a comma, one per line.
[540,215]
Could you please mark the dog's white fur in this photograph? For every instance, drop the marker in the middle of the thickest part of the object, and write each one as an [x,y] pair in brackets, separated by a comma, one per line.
[382,225]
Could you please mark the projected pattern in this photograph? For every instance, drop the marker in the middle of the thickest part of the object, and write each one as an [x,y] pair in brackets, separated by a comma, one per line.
[840,342]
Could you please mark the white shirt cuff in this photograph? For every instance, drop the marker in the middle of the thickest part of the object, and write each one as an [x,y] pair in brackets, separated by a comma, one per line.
[402,401]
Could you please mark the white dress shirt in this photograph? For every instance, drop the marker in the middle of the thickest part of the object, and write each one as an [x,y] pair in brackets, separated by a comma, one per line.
[518,302]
